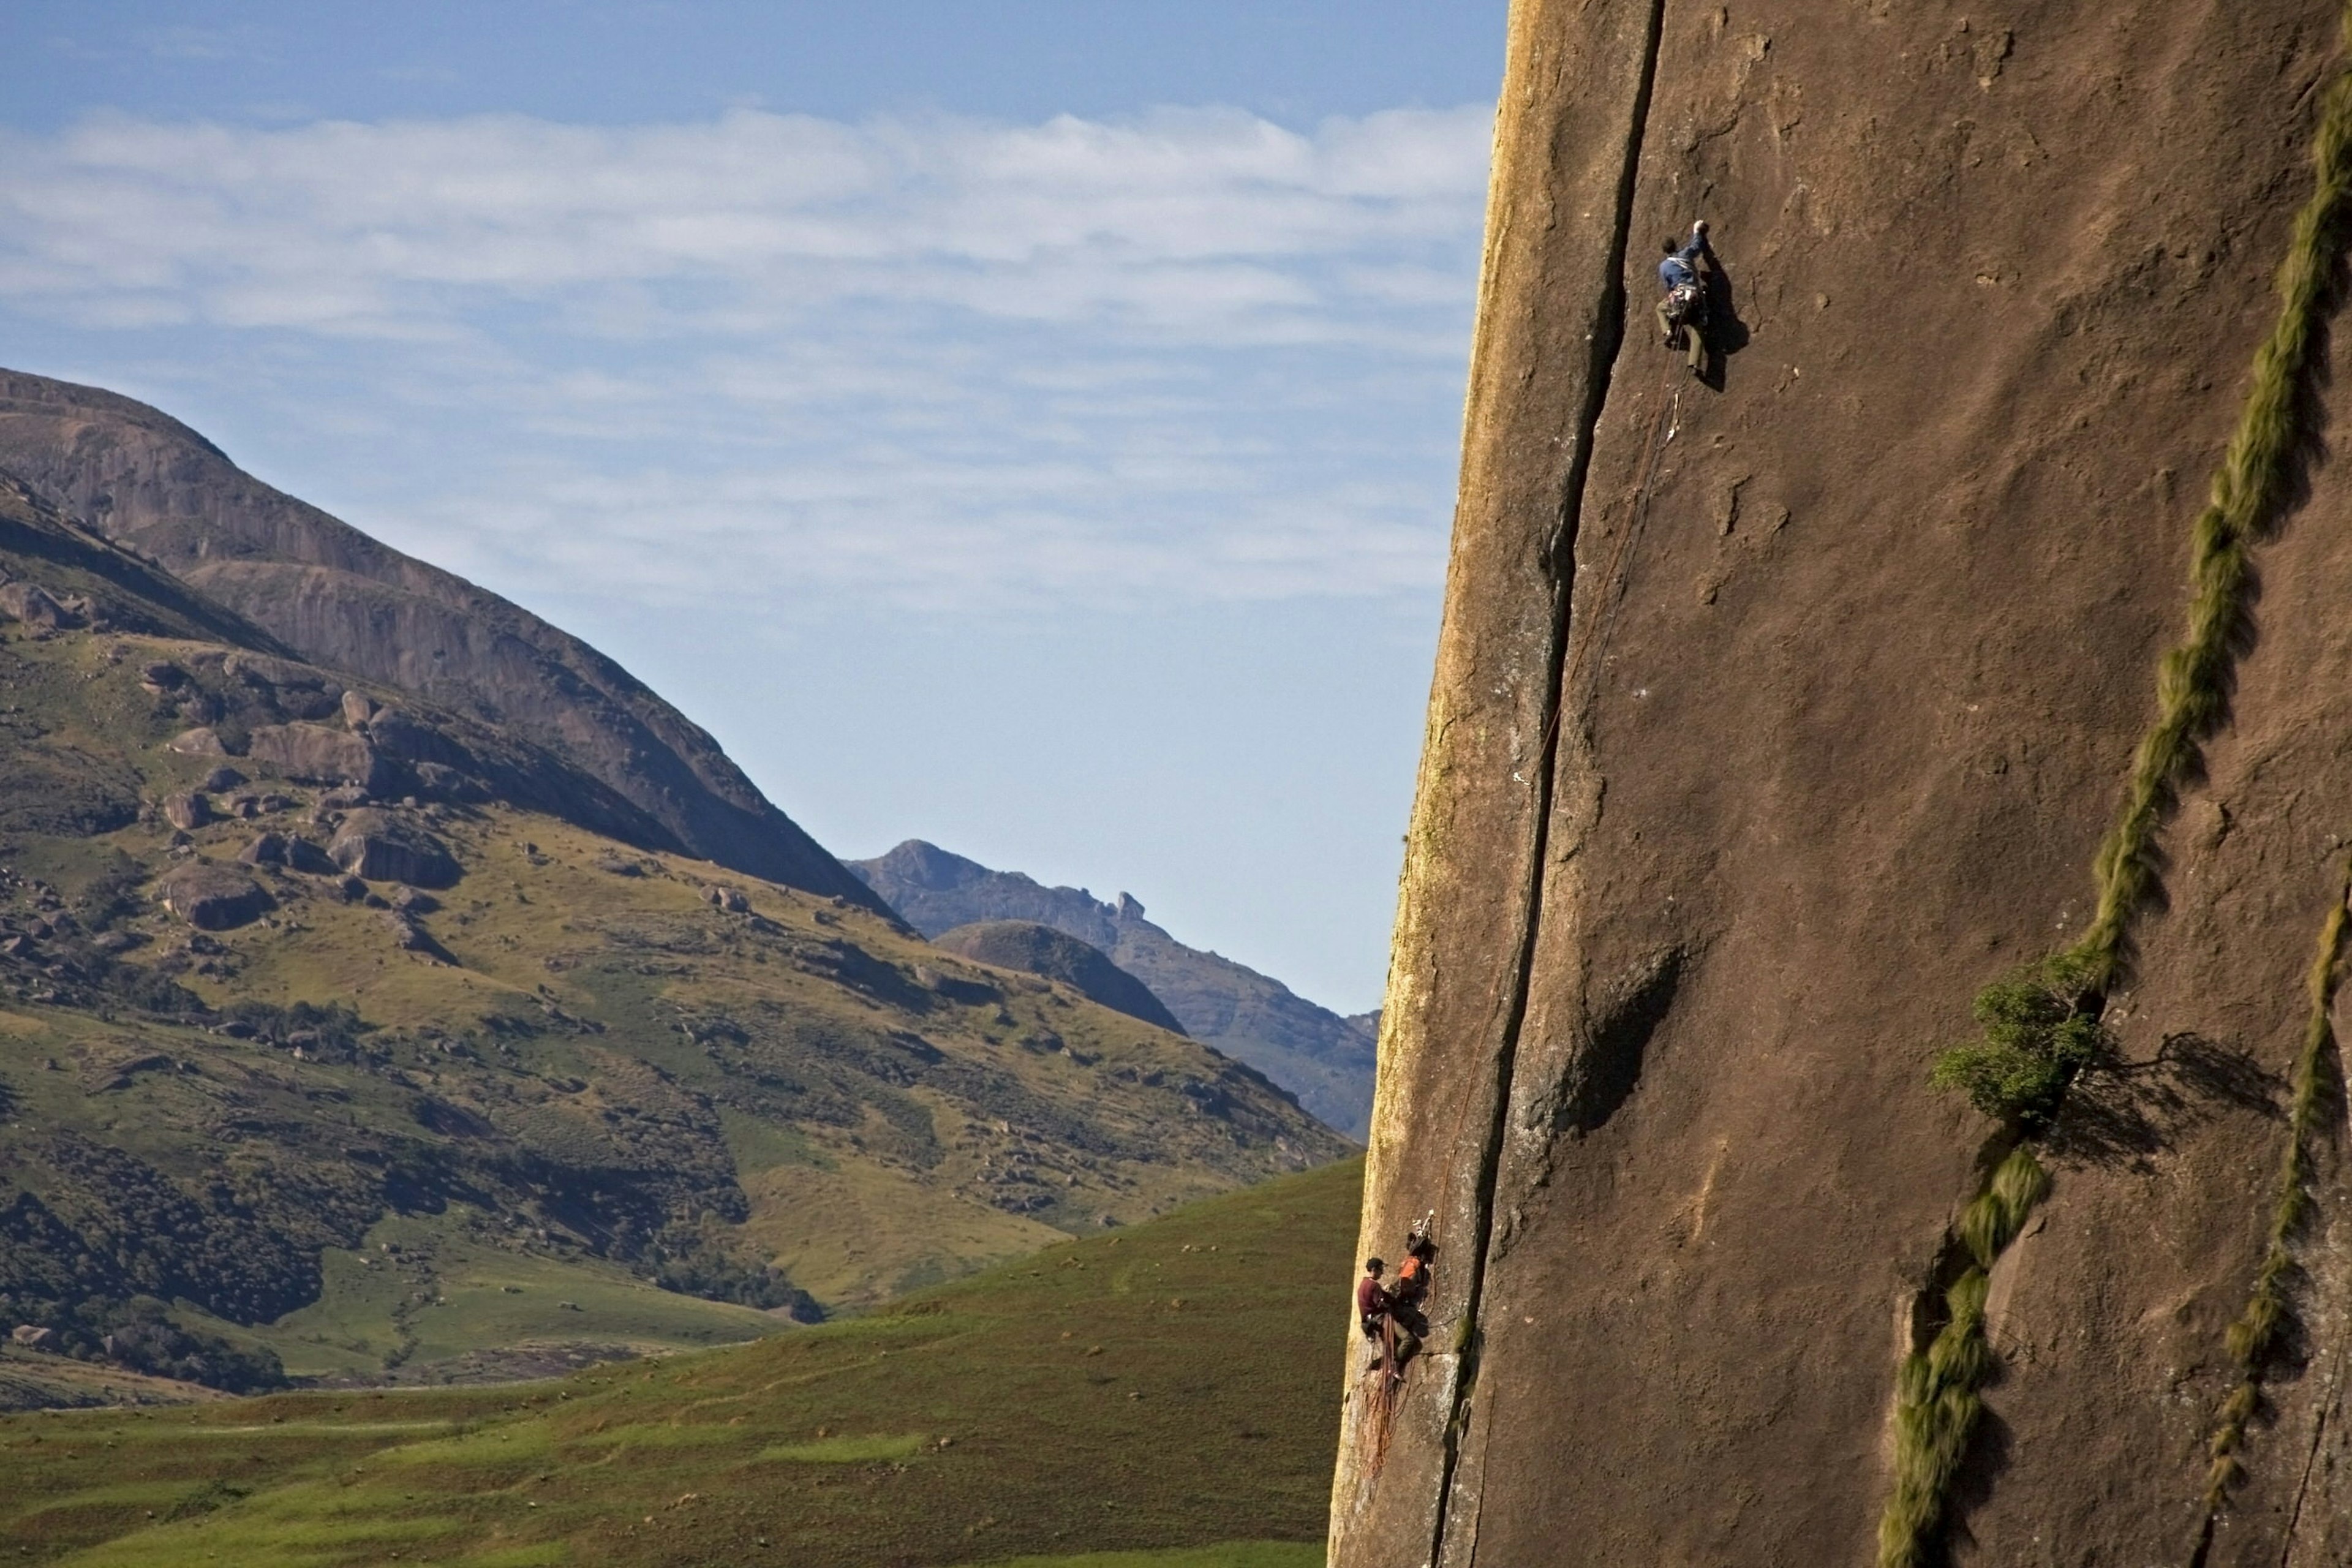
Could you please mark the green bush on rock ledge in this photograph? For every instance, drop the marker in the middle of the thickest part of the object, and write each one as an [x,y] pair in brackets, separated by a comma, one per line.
[2039,1032]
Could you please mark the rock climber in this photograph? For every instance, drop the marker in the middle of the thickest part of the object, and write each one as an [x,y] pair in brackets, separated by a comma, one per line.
[1682,312]
[1410,1289]
[1376,1316]
[1412,1274]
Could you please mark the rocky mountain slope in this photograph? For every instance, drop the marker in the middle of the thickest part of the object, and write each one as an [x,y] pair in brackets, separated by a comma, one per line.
[1779,716]
[1036,949]
[330,594]
[330,1037]
[1323,1058]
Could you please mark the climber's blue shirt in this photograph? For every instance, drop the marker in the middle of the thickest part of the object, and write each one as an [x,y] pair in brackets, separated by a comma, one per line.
[1682,267]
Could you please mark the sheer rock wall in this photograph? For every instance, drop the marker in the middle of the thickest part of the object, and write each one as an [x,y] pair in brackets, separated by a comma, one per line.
[1775,715]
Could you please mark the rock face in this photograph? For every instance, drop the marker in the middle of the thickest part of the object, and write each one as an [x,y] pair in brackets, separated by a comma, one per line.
[212,898]
[341,600]
[1774,716]
[1039,949]
[1325,1061]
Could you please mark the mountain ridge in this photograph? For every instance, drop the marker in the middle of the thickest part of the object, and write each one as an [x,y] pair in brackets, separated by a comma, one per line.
[1324,1059]
[329,1042]
[348,602]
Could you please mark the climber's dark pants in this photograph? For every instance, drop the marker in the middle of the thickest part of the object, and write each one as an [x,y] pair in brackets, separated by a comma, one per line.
[1695,341]
[1398,1345]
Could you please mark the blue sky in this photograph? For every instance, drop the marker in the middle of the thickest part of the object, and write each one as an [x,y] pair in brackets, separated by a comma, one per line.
[1028,427]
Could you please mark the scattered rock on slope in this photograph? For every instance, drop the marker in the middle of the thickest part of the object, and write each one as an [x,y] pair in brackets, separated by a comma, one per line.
[316,754]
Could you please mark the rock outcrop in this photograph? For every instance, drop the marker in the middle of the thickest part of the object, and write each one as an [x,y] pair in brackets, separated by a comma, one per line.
[315,754]
[1775,715]
[343,601]
[1325,1061]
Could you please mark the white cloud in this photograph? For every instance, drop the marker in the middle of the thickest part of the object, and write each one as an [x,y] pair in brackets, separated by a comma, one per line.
[930,361]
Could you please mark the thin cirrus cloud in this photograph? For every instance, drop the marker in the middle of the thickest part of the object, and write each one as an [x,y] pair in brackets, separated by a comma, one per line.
[928,361]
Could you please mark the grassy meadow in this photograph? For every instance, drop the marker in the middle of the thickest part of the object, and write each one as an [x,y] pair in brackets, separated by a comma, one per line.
[1162,1397]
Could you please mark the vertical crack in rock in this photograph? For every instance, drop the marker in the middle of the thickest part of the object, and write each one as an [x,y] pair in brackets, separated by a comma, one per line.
[1562,566]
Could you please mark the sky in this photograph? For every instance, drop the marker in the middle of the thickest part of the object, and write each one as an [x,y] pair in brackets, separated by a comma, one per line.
[1029,426]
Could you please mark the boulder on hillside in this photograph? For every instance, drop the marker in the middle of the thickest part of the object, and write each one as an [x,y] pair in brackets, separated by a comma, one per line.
[305,856]
[297,689]
[31,604]
[187,810]
[1037,949]
[221,779]
[437,781]
[316,754]
[358,707]
[407,935]
[401,734]
[200,741]
[379,847]
[264,670]
[213,898]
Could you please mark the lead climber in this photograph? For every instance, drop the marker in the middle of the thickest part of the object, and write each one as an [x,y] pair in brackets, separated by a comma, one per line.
[1682,312]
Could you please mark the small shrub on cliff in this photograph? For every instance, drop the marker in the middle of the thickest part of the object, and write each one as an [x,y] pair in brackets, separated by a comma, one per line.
[2038,1035]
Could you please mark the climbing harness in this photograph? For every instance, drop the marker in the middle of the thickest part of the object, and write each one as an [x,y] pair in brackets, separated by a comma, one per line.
[1687,307]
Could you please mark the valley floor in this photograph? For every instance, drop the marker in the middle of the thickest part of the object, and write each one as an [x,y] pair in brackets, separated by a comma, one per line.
[1165,1396]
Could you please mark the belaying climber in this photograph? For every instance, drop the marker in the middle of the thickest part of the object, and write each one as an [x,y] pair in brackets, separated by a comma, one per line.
[1682,312]
[1383,1317]
[1376,1317]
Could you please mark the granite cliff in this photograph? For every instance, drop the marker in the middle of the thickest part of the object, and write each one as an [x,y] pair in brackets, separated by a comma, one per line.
[1962,658]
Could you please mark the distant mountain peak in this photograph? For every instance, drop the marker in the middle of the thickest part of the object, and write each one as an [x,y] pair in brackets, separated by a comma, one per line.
[1324,1059]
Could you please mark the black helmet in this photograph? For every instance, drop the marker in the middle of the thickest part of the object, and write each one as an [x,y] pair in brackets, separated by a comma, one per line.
[1374,1265]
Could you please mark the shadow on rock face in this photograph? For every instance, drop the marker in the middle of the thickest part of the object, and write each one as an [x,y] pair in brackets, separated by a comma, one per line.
[2125,1112]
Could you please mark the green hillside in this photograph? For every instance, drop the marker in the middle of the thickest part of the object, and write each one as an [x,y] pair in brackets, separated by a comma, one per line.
[325,1042]
[1155,1391]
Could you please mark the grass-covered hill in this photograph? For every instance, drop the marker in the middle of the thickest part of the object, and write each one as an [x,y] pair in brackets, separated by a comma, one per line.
[324,1043]
[1154,1391]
